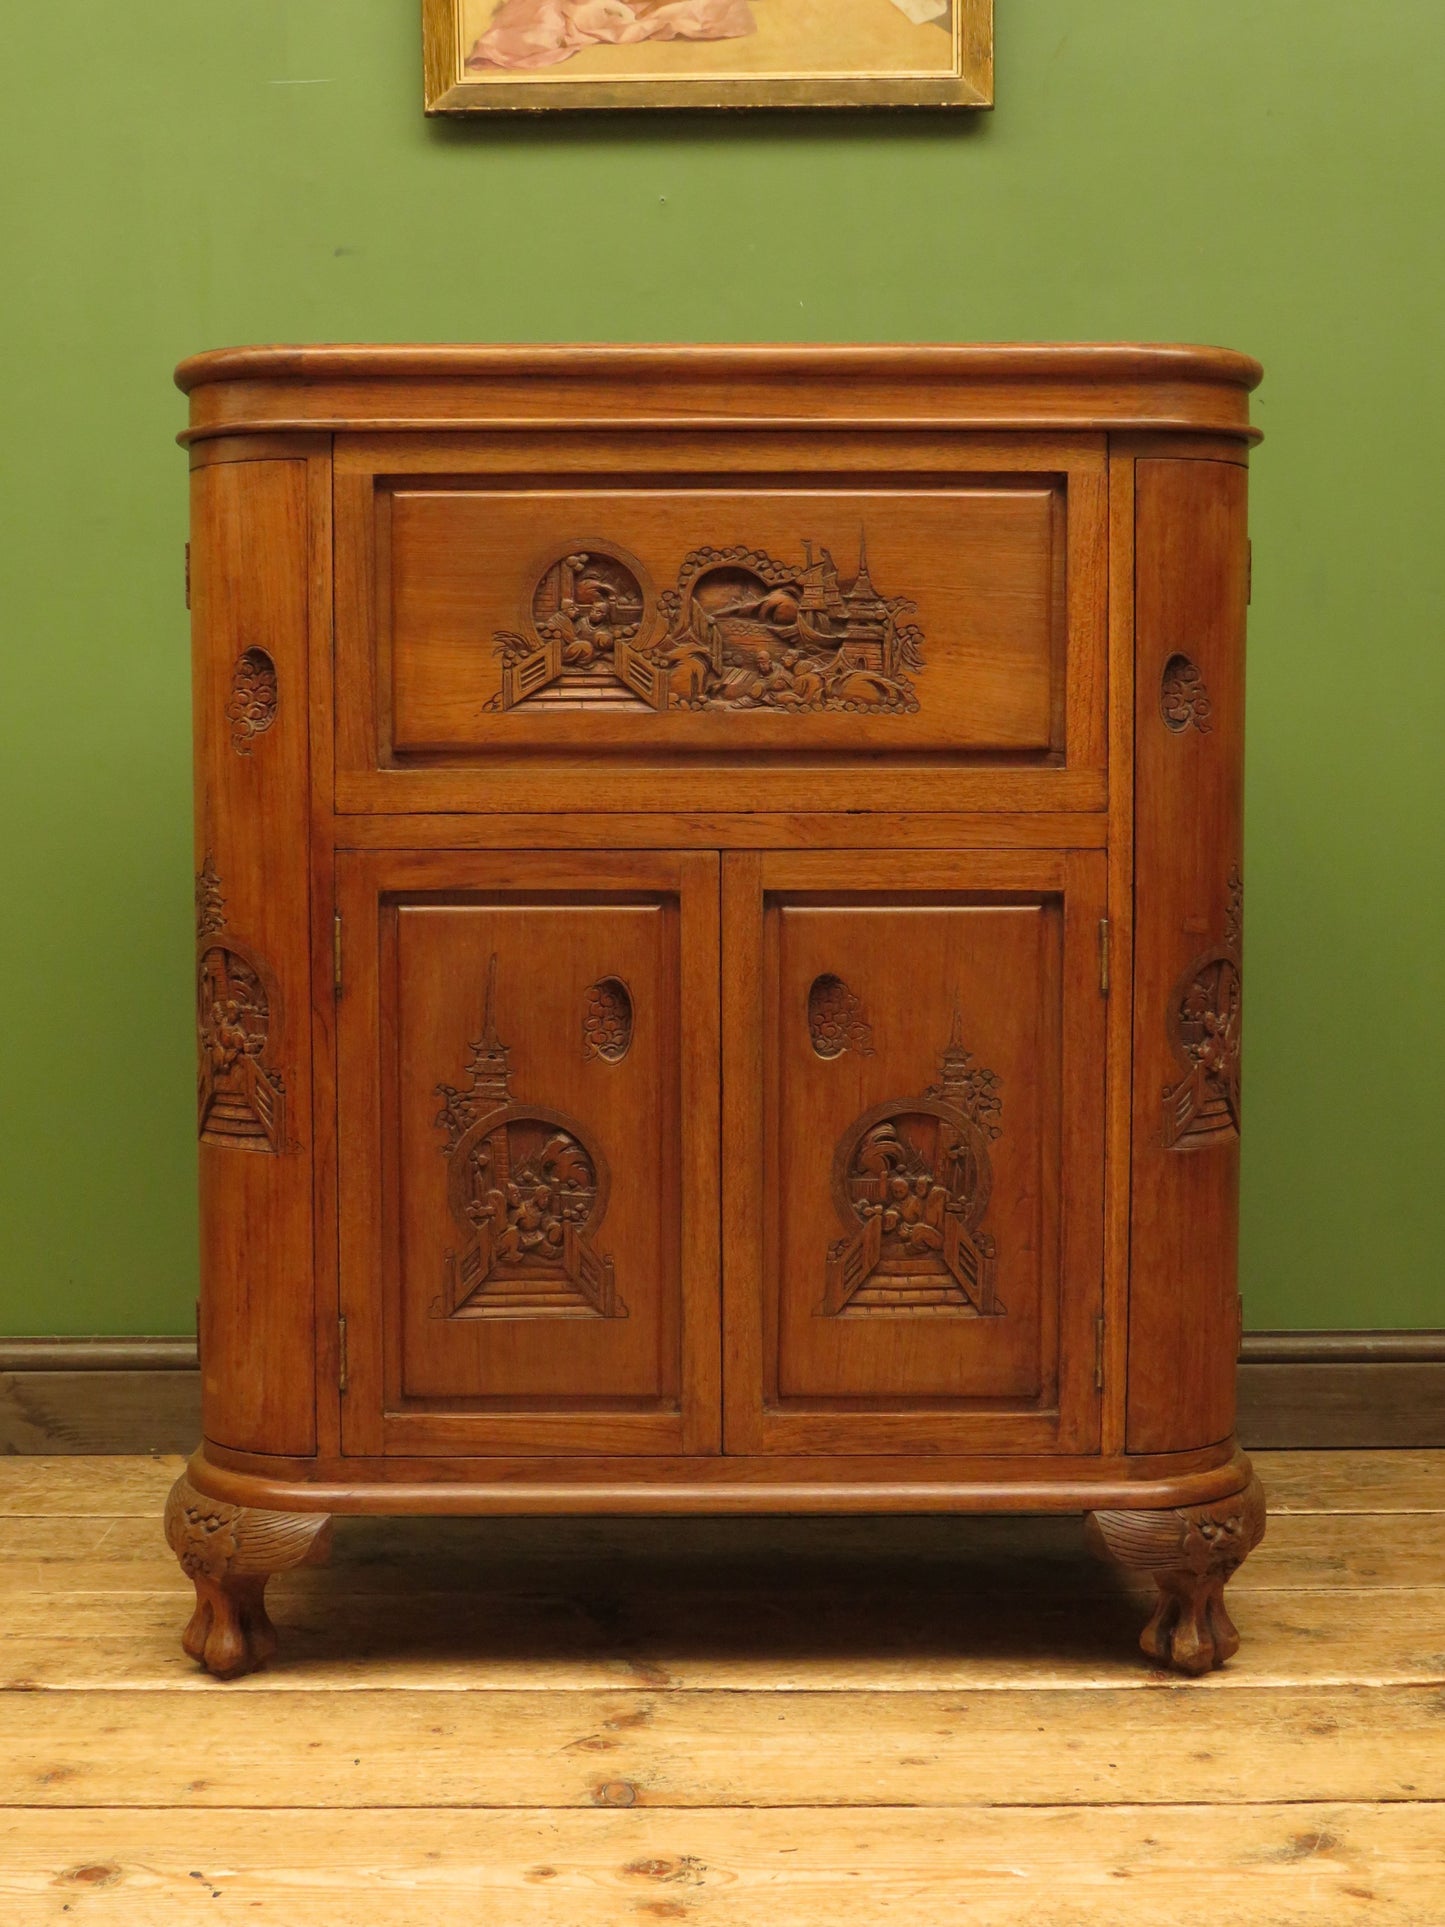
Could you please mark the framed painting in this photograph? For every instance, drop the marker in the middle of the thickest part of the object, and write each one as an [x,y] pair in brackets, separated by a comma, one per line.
[520,56]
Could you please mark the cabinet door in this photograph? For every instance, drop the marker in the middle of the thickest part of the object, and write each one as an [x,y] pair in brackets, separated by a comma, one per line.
[913,1178]
[528,1232]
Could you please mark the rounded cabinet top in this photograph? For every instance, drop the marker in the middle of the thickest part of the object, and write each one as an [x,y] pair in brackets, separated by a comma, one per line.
[1024,385]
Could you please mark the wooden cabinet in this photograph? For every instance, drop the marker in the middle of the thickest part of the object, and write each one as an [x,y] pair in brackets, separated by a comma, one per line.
[719,935]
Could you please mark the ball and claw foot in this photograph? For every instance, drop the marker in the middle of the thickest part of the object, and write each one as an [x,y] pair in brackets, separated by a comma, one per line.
[229,1552]
[1190,1551]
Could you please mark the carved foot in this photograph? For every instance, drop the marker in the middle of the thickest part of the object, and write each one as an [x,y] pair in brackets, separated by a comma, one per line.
[1191,1552]
[229,1552]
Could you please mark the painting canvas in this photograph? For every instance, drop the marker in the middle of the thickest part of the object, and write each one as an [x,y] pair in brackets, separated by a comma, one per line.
[521,55]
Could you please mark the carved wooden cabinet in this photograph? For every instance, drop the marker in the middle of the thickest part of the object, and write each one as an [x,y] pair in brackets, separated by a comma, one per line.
[718,944]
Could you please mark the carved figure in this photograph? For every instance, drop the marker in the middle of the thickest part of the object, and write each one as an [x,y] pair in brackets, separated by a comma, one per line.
[240,1099]
[1205,1018]
[528,1192]
[912,1178]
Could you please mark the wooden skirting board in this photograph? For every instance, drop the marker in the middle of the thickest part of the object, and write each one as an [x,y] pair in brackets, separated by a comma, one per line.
[1297,1391]
[99,1395]
[1307,1389]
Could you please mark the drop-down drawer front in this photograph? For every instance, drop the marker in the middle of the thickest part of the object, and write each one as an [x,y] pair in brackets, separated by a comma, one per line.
[720,621]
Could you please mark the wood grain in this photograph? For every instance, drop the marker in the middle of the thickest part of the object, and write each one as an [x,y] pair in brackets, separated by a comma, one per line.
[251,545]
[1344,1403]
[100,1411]
[1190,571]
[429,1750]
[1280,1865]
[1086,386]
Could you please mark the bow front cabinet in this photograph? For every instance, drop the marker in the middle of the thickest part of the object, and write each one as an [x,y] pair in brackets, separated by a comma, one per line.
[718,944]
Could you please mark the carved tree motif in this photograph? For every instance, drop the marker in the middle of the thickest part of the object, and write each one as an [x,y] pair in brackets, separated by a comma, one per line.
[1190,1551]
[255,693]
[1204,1032]
[607,1021]
[1183,698]
[911,1179]
[240,1097]
[528,1193]
[835,1019]
[210,904]
[742,631]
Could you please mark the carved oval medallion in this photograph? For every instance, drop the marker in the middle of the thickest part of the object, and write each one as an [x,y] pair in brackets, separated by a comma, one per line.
[607,1021]
[835,1019]
[255,694]
[1183,698]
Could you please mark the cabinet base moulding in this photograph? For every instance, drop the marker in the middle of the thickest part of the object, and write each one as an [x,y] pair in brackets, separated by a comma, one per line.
[716,1485]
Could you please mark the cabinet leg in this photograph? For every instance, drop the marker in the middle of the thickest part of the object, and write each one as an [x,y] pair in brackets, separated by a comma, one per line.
[1190,1552]
[229,1552]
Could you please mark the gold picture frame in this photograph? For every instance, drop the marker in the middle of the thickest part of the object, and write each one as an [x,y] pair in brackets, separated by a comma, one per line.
[534,56]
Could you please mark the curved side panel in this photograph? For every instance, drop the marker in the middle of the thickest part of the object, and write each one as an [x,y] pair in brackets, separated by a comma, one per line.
[1191,584]
[249,588]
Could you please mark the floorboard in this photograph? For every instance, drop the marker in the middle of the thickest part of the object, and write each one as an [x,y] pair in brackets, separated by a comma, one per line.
[803,1723]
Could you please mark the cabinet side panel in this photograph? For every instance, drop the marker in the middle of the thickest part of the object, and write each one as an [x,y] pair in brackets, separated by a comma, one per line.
[249,645]
[1191,569]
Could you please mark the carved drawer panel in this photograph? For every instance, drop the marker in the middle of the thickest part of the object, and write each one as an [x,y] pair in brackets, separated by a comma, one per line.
[652,624]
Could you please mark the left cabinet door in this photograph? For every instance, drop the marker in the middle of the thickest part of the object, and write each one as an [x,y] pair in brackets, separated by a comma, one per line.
[529,1235]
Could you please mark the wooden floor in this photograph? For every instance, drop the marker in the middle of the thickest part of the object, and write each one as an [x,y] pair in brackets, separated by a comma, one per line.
[774,1723]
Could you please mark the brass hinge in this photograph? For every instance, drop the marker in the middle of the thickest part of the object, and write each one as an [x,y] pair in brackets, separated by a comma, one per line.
[198,1334]
[341,1354]
[1249,572]
[336,953]
[1104,955]
[188,575]
[1099,1353]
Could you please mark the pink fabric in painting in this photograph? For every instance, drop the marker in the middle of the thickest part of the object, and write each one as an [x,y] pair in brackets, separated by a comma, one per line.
[539,33]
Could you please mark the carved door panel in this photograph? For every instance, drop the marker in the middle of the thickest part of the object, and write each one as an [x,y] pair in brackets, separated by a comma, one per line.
[913,1188]
[528,1233]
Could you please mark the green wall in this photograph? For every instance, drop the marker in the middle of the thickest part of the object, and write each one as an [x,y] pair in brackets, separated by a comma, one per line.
[181,174]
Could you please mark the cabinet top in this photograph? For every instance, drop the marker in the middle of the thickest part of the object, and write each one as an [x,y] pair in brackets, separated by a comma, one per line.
[978,385]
